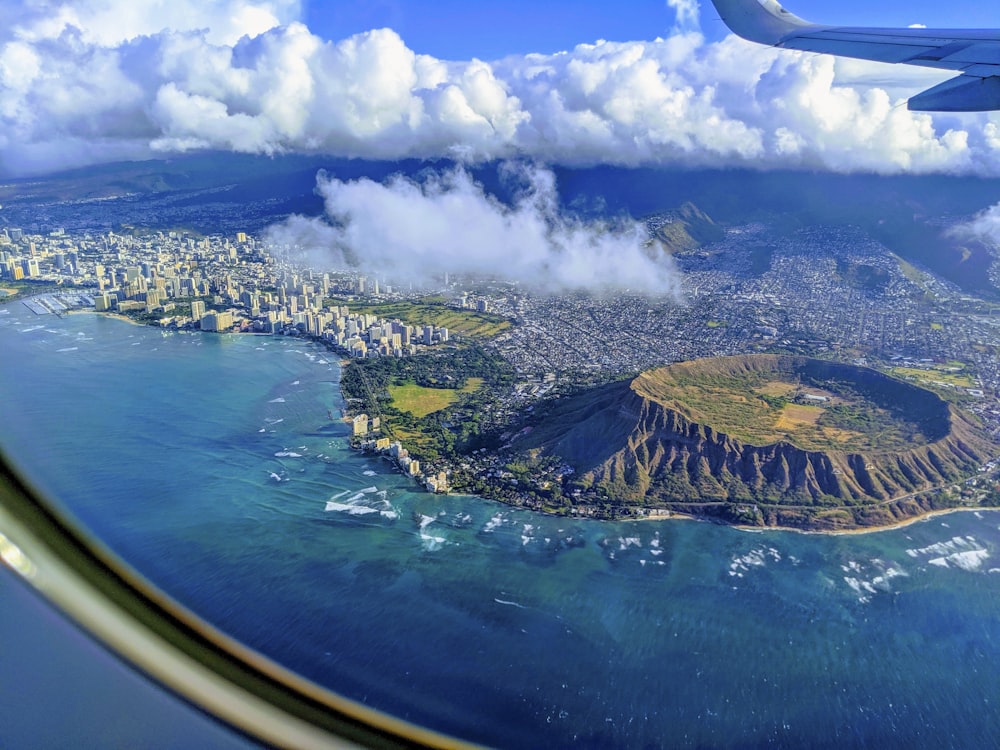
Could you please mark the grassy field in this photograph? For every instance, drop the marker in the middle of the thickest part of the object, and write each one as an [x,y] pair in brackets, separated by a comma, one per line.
[420,401]
[469,323]
[935,375]
[760,410]
[777,388]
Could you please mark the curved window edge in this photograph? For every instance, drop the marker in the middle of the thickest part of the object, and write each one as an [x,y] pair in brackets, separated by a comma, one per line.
[170,644]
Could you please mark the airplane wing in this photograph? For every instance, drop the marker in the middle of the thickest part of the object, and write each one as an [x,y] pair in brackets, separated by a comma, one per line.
[973,53]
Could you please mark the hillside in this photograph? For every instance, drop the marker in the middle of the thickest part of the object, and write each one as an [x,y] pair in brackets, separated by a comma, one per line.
[687,228]
[706,437]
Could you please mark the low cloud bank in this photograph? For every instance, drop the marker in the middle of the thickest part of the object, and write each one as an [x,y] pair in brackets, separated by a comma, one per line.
[410,231]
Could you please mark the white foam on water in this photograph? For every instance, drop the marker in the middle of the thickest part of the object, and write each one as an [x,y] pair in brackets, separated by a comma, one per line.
[970,560]
[273,421]
[508,603]
[369,473]
[964,553]
[340,494]
[262,429]
[756,558]
[295,382]
[278,400]
[369,490]
[353,510]
[430,542]
[275,477]
[288,454]
[860,587]
[493,524]
[656,552]
[69,349]
[629,541]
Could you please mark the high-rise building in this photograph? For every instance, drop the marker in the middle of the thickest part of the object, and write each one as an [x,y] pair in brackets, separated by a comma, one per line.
[197,309]
[217,321]
[360,424]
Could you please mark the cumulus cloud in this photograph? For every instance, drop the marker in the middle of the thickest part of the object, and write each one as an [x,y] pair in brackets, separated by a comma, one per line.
[984,226]
[246,75]
[110,22]
[687,12]
[411,231]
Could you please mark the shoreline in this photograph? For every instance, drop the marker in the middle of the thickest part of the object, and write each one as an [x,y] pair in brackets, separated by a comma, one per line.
[903,523]
[105,314]
[677,516]
[670,515]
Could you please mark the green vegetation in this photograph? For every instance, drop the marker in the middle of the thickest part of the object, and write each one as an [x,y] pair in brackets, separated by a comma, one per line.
[862,275]
[16,289]
[420,401]
[761,408]
[952,374]
[437,404]
[673,439]
[429,311]
[688,229]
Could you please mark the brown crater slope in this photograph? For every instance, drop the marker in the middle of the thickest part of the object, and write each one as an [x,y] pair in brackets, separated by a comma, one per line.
[734,436]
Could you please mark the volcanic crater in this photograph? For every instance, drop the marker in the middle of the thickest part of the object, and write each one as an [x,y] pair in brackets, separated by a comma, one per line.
[765,439]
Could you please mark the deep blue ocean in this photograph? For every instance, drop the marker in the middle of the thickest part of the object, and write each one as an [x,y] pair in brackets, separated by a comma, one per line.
[207,463]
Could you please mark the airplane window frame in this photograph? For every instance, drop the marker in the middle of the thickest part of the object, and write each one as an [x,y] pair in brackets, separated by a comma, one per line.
[171,645]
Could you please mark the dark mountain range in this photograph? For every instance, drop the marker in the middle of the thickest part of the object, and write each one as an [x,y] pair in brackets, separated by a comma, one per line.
[223,192]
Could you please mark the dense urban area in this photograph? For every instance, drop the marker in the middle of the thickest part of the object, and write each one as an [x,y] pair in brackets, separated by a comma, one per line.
[499,350]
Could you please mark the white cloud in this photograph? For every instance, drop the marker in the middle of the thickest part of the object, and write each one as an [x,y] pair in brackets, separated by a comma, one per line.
[410,231]
[687,12]
[245,75]
[983,226]
[110,22]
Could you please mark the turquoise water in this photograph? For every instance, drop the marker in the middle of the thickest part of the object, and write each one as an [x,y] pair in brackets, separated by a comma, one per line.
[207,462]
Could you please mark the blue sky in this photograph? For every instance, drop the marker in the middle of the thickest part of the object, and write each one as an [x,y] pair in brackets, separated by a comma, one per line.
[457,29]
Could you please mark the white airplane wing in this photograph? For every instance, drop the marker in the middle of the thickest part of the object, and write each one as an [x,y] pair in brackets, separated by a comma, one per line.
[974,53]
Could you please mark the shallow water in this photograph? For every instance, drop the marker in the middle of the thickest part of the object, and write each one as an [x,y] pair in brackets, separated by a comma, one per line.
[209,464]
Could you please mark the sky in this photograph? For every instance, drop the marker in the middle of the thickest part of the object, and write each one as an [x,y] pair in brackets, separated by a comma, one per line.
[458,29]
[586,82]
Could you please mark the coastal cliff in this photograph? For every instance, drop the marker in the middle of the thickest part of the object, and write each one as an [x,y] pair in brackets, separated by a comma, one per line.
[641,443]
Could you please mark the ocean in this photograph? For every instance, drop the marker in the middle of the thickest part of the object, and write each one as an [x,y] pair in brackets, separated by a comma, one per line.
[207,463]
